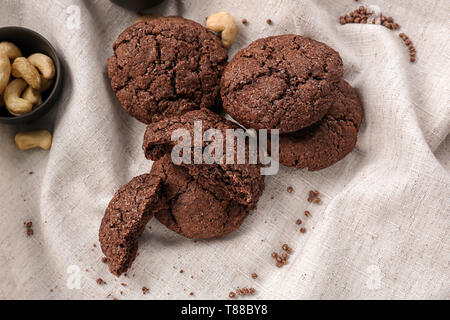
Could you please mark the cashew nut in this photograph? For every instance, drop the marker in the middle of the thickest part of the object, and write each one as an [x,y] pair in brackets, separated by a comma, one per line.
[5,72]
[44,64]
[32,95]
[22,68]
[223,22]
[14,103]
[147,17]
[33,139]
[10,50]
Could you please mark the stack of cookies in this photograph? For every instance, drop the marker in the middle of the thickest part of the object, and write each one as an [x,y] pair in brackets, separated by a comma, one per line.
[171,72]
[294,84]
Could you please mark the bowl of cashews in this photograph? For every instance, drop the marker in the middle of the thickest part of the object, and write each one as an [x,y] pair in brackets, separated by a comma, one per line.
[30,75]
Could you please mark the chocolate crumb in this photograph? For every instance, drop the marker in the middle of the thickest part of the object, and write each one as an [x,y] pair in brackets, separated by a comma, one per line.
[317,200]
[302,230]
[244,21]
[28,226]
[243,292]
[307,213]
[145,290]
[105,260]
[181,271]
[100,281]
[298,222]
[285,247]
[232,294]
[191,293]
[269,21]
[274,255]
[254,275]
[290,189]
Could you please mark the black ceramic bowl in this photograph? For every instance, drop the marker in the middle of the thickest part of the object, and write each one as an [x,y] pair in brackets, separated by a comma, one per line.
[30,42]
[137,5]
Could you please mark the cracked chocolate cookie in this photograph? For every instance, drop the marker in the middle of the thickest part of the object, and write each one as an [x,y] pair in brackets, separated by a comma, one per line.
[281,82]
[241,182]
[195,212]
[329,140]
[166,67]
[125,218]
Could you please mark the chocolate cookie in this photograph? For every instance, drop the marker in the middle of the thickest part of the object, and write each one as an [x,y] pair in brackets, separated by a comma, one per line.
[125,218]
[195,212]
[281,82]
[241,182]
[329,140]
[166,67]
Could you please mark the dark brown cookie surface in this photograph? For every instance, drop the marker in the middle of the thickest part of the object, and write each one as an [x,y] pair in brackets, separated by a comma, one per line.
[280,82]
[329,140]
[166,67]
[195,212]
[133,205]
[241,182]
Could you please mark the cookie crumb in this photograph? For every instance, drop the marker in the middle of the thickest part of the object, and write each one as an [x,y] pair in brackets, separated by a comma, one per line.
[282,259]
[298,222]
[313,195]
[307,213]
[28,225]
[254,275]
[302,230]
[245,291]
[290,189]
[269,21]
[191,293]
[145,290]
[232,294]
[411,48]
[123,284]
[244,21]
[317,200]
[181,271]
[100,281]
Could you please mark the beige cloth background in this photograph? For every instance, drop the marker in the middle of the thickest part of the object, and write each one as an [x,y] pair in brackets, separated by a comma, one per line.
[382,230]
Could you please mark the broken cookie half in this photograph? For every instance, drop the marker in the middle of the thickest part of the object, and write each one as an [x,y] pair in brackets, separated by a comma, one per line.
[126,216]
[241,182]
